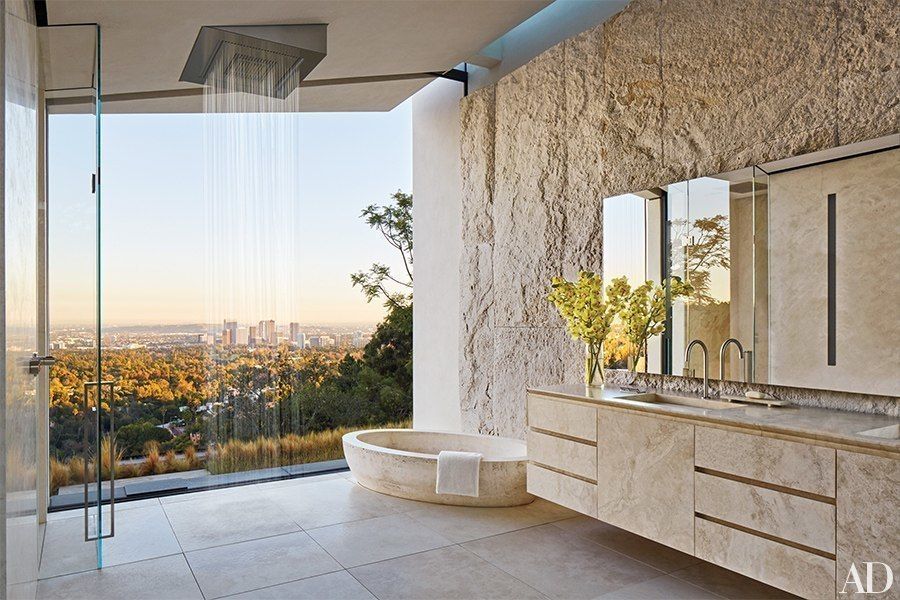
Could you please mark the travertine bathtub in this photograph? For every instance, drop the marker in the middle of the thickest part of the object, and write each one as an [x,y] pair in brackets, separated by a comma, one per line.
[403,462]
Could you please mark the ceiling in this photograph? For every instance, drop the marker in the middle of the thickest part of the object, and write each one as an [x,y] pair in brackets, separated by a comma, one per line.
[145,44]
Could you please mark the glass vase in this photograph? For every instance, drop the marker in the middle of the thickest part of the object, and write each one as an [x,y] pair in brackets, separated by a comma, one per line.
[593,366]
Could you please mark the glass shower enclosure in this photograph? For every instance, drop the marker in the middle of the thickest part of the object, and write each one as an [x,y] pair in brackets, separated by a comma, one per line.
[81,459]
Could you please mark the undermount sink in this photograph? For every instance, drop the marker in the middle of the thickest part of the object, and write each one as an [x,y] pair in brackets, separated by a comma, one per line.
[655,398]
[891,432]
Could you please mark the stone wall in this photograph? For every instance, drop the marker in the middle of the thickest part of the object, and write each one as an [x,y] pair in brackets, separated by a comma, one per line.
[666,90]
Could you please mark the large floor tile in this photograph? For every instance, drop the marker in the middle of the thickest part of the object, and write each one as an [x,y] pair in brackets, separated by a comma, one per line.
[240,491]
[168,577]
[236,568]
[647,551]
[559,564]
[215,521]
[120,507]
[361,542]
[450,572]
[465,523]
[141,533]
[329,502]
[333,586]
[664,587]
[728,584]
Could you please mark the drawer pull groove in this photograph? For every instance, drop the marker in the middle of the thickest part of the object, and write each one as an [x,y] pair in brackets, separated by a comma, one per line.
[771,538]
[564,436]
[563,472]
[769,486]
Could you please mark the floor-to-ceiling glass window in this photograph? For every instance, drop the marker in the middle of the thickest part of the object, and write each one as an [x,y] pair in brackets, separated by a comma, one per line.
[257,271]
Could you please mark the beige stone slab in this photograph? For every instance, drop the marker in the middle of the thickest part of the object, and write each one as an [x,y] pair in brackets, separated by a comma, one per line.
[738,73]
[794,465]
[631,147]
[794,518]
[624,542]
[728,584]
[869,67]
[575,420]
[236,568]
[785,567]
[426,576]
[562,489]
[645,477]
[573,457]
[466,523]
[560,565]
[868,517]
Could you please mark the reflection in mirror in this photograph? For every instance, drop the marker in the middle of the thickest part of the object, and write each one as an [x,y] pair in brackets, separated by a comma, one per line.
[699,232]
[632,249]
[792,266]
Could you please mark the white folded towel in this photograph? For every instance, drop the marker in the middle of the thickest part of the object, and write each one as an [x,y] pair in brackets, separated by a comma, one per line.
[457,473]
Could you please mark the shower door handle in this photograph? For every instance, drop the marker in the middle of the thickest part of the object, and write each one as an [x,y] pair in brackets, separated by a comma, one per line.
[36,362]
[97,467]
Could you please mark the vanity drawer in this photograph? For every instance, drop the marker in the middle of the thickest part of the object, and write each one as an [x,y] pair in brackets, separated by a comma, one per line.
[577,458]
[566,418]
[794,465]
[790,569]
[567,491]
[794,518]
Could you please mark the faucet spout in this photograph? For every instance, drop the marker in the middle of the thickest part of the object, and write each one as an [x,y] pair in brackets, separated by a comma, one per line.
[722,352]
[687,359]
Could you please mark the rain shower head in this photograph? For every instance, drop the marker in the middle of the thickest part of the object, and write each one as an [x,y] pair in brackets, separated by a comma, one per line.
[270,60]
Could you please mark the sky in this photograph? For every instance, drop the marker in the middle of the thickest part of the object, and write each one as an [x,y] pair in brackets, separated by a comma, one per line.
[154,239]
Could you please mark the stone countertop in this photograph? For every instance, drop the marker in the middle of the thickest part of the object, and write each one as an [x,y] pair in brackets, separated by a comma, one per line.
[841,427]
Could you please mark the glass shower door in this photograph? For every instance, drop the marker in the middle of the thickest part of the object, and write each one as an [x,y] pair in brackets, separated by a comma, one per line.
[81,440]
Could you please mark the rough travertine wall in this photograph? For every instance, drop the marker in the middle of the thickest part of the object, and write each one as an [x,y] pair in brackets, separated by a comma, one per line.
[665,91]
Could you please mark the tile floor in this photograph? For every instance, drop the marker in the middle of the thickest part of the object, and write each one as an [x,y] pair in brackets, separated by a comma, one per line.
[326,537]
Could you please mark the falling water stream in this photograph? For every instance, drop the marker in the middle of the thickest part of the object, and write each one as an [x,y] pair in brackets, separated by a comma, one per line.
[251,194]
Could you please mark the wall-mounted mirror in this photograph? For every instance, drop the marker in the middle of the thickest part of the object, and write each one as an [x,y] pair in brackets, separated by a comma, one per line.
[797,261]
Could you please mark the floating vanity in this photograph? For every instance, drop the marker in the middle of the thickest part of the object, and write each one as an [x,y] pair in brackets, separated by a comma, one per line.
[788,496]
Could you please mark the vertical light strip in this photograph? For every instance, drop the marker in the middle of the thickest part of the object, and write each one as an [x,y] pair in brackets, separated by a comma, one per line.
[832,279]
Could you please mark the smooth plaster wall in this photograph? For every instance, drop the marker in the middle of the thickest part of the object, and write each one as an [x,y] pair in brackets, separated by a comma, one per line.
[667,90]
[437,244]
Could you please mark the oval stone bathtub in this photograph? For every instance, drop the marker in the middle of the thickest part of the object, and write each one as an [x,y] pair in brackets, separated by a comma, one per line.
[403,462]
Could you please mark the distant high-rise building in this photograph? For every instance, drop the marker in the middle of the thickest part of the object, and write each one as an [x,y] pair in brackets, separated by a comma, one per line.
[251,336]
[267,334]
[294,332]
[231,327]
[242,337]
[300,340]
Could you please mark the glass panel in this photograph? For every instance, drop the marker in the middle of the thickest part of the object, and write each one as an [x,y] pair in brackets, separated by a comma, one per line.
[71,57]
[18,431]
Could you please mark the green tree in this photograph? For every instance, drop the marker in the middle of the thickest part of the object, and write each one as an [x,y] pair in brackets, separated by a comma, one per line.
[394,222]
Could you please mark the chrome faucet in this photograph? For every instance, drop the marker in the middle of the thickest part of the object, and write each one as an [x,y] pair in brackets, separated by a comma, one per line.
[722,352]
[745,355]
[687,359]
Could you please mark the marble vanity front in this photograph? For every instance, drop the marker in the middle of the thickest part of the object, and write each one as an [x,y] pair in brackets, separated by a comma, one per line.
[791,496]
